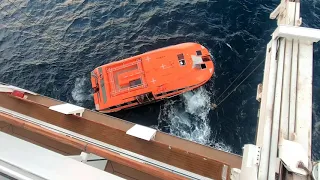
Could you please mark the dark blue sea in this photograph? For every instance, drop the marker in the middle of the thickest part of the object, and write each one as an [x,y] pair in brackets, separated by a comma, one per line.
[50,47]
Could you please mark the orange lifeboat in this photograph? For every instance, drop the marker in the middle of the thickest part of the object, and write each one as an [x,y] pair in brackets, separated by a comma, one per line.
[150,77]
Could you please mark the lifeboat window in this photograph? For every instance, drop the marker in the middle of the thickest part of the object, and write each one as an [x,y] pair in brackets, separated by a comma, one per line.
[203,66]
[180,56]
[135,83]
[205,59]
[182,62]
[199,53]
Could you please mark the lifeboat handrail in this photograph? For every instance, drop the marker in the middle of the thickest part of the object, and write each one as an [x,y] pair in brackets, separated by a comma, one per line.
[147,97]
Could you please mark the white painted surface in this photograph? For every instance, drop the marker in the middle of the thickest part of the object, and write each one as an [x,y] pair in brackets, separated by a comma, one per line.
[91,160]
[235,174]
[142,132]
[304,97]
[292,154]
[262,111]
[45,163]
[196,60]
[15,172]
[276,113]
[316,171]
[293,89]
[277,11]
[250,161]
[289,101]
[284,120]
[67,109]
[259,92]
[268,116]
[294,32]
[10,88]
[285,102]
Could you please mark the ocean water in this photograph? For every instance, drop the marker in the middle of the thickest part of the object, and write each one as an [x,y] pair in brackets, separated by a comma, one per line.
[50,47]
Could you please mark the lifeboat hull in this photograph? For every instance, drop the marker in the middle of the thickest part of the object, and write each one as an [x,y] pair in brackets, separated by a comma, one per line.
[151,77]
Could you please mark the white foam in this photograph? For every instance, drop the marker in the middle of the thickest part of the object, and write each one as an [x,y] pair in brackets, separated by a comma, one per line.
[221,146]
[78,93]
[188,118]
[70,2]
[197,103]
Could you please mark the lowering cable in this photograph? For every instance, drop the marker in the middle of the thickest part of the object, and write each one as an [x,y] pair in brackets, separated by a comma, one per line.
[215,105]
[236,78]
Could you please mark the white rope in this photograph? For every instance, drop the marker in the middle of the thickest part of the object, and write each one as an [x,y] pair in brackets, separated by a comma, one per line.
[236,78]
[214,106]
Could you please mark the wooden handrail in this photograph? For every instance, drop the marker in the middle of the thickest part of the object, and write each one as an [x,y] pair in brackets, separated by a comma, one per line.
[99,129]
[89,148]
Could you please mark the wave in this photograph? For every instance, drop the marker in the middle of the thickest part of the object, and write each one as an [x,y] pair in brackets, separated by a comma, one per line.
[79,93]
[188,118]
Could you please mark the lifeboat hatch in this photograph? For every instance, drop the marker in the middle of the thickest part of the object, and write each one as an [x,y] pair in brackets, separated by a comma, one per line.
[197,61]
[127,77]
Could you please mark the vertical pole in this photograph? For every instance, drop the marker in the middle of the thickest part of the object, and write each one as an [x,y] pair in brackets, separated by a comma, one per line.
[266,134]
[276,113]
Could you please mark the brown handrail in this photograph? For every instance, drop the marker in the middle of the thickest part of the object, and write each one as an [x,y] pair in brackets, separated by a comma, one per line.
[89,148]
[98,127]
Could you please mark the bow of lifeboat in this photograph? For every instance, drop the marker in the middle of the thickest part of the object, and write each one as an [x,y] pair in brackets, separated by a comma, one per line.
[150,77]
